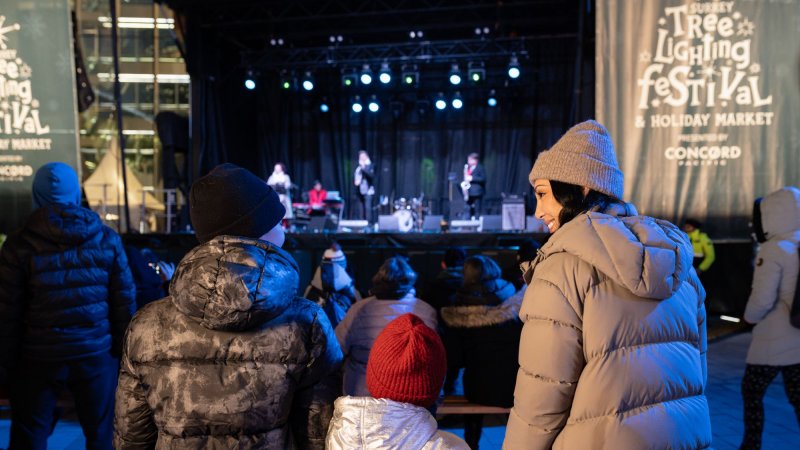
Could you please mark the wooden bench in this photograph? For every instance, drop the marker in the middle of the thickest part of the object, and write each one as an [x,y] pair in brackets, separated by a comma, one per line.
[457,404]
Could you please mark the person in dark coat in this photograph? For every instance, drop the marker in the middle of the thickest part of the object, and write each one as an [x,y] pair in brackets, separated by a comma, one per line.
[364,180]
[232,358]
[66,297]
[475,175]
[442,290]
[482,332]
[332,288]
[150,275]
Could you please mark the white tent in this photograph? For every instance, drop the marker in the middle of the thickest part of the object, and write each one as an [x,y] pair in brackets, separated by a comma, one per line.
[104,191]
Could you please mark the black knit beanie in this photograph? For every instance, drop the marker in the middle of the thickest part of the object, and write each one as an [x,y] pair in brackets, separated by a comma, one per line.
[232,200]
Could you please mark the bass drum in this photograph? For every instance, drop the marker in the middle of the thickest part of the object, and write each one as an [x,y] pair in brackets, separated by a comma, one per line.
[405,220]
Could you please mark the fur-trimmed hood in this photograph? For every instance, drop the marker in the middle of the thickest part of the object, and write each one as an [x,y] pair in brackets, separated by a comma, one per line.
[477,316]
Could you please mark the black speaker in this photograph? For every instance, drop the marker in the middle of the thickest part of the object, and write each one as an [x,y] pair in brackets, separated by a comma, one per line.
[321,223]
[492,223]
[388,223]
[432,223]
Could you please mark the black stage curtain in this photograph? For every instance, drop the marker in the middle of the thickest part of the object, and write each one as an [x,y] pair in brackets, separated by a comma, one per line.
[413,146]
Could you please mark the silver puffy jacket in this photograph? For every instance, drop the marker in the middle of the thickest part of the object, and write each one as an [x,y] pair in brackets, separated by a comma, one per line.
[371,423]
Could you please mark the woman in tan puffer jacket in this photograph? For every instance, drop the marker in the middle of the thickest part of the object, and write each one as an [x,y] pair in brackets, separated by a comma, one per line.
[612,353]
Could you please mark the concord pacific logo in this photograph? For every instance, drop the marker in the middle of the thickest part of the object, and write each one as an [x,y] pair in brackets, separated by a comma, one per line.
[15,171]
[705,152]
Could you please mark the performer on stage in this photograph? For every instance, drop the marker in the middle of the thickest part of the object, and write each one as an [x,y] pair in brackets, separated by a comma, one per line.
[473,186]
[317,196]
[365,189]
[280,181]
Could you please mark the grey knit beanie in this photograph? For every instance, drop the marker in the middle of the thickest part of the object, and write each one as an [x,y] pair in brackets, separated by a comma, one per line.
[584,156]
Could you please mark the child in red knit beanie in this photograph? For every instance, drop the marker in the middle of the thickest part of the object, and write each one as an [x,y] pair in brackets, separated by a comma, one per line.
[405,373]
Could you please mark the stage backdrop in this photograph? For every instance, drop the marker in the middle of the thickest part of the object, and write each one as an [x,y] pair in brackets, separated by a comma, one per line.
[37,99]
[701,99]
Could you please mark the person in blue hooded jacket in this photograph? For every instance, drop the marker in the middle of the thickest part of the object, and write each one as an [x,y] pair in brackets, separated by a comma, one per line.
[66,297]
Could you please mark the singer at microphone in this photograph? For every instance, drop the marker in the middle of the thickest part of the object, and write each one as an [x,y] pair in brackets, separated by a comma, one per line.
[473,186]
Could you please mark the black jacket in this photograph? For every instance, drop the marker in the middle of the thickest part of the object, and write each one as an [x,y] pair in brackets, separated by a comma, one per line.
[367,183]
[231,359]
[442,290]
[65,288]
[477,187]
[482,335]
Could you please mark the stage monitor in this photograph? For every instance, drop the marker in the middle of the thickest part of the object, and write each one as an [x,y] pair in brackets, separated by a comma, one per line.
[432,223]
[388,223]
[465,225]
[491,223]
[321,223]
[352,226]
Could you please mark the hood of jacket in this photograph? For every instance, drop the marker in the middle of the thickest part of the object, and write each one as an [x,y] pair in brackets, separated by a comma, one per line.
[476,316]
[372,423]
[490,292]
[234,283]
[780,212]
[331,276]
[64,224]
[649,257]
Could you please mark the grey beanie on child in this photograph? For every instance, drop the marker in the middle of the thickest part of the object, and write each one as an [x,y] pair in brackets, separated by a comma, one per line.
[584,156]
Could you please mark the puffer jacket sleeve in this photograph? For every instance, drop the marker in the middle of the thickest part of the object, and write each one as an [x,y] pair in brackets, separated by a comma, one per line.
[13,279]
[121,292]
[320,385]
[134,427]
[551,359]
[766,284]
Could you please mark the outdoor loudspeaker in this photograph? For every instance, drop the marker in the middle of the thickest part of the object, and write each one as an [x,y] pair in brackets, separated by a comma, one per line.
[321,223]
[513,213]
[491,223]
[388,223]
[432,223]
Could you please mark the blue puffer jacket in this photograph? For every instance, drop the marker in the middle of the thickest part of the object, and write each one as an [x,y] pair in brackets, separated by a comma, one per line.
[65,288]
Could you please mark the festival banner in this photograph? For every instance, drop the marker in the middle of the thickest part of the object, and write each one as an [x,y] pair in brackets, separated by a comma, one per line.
[38,112]
[702,99]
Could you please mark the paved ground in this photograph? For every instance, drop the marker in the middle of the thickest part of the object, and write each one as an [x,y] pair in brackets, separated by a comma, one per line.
[725,367]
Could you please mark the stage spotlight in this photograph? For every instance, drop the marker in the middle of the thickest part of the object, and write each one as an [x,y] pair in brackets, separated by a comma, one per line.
[357,107]
[476,72]
[513,68]
[410,75]
[249,81]
[366,75]
[349,78]
[492,101]
[308,81]
[457,102]
[440,102]
[455,75]
[373,104]
[385,75]
[286,81]
[323,107]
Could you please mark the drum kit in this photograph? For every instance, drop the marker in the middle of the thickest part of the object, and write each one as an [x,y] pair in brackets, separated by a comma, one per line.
[409,213]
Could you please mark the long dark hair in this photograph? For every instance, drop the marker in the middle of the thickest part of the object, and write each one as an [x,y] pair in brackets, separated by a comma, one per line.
[573,202]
